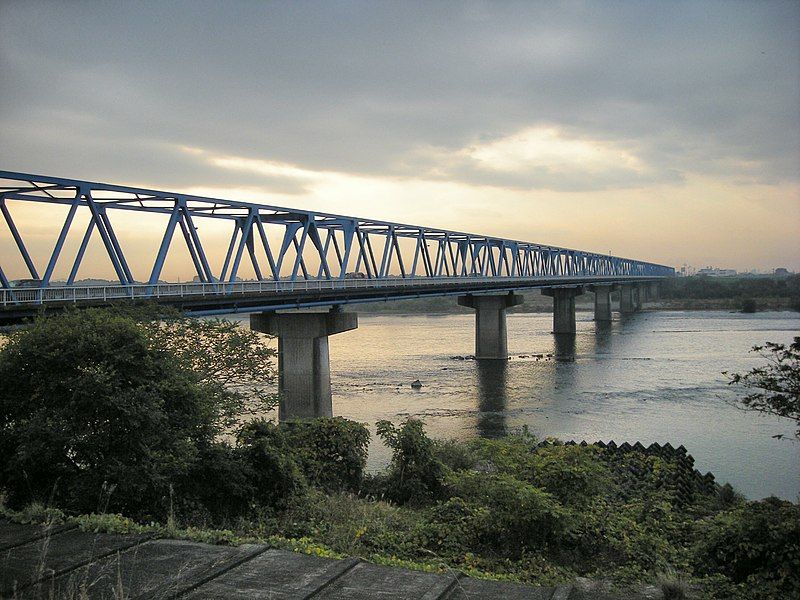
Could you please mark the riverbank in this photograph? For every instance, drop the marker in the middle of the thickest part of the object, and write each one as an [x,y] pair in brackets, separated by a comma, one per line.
[616,522]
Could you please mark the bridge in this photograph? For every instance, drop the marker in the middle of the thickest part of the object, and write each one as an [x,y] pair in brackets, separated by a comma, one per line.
[296,259]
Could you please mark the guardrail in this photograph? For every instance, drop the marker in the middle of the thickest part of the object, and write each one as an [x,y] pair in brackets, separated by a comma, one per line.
[72,294]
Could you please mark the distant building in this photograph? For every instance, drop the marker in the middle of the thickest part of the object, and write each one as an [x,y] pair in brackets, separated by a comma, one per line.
[782,272]
[714,272]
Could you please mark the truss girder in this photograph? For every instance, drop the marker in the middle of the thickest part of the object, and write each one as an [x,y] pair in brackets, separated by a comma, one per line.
[310,245]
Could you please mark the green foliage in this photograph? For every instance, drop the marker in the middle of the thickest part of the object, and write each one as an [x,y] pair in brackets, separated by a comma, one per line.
[749,305]
[88,404]
[573,474]
[271,464]
[517,516]
[731,287]
[332,452]
[329,453]
[512,455]
[757,544]
[415,476]
[776,384]
[223,354]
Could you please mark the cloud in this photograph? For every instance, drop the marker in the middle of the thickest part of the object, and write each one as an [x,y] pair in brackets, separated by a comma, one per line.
[485,98]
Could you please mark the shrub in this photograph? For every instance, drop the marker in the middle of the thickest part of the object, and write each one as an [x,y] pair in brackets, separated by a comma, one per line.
[453,528]
[573,474]
[415,475]
[271,459]
[518,515]
[512,455]
[454,454]
[757,544]
[749,305]
[332,452]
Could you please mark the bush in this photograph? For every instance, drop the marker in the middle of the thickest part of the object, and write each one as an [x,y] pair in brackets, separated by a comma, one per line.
[329,453]
[757,544]
[573,474]
[332,452]
[518,516]
[749,305]
[415,475]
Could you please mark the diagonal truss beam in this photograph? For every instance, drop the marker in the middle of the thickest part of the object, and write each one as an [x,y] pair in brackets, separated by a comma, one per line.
[309,245]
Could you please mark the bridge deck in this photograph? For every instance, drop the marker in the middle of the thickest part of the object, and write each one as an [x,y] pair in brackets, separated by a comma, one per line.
[253,296]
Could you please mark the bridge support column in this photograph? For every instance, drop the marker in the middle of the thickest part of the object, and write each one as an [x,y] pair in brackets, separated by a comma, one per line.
[652,291]
[627,299]
[563,308]
[491,335]
[602,302]
[304,369]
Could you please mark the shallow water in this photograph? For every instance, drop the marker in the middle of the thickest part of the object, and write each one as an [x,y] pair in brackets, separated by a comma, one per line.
[651,377]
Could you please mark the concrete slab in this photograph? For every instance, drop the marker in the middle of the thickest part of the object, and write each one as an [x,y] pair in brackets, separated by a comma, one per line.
[155,569]
[477,589]
[367,581]
[16,534]
[50,556]
[275,575]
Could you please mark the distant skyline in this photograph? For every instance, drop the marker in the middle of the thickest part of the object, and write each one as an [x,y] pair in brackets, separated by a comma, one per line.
[662,131]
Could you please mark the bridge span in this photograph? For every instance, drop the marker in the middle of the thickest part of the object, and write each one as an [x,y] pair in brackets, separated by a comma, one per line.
[297,259]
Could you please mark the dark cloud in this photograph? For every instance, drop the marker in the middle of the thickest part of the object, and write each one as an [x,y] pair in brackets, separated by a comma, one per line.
[111,90]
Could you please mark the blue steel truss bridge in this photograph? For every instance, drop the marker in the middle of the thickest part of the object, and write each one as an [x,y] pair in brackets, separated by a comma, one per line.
[294,259]
[298,258]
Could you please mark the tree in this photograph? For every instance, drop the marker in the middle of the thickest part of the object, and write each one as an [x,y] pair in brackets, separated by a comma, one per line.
[775,385]
[223,354]
[98,401]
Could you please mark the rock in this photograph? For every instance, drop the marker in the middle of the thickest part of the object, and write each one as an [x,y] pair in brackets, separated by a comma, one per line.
[416,384]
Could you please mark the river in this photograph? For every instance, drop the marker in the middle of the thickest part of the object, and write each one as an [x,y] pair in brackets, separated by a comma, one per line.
[650,377]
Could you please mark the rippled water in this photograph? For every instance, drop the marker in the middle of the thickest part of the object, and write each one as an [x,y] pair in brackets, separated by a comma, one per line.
[651,377]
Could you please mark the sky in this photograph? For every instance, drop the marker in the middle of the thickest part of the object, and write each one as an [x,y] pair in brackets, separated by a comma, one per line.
[663,131]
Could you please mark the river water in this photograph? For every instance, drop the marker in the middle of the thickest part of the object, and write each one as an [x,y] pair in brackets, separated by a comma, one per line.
[650,377]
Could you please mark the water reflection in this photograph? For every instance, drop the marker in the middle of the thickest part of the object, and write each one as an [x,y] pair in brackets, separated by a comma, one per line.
[564,347]
[602,337]
[492,388]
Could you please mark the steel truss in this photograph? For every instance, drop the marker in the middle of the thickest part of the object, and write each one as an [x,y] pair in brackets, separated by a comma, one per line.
[313,246]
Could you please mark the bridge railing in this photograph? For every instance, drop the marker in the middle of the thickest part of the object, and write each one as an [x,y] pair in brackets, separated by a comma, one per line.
[104,294]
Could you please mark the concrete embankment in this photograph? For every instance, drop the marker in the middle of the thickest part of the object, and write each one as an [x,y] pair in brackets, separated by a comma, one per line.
[64,562]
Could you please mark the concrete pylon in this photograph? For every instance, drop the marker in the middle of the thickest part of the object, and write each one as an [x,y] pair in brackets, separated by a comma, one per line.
[653,291]
[602,302]
[563,308]
[304,368]
[627,299]
[491,335]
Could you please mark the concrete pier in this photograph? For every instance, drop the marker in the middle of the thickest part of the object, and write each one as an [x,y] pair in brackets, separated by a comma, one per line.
[563,308]
[602,302]
[627,299]
[652,292]
[304,370]
[491,336]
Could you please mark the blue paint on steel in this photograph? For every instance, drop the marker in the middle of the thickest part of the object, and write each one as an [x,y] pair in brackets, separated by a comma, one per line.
[455,254]
[18,239]
[48,273]
[81,251]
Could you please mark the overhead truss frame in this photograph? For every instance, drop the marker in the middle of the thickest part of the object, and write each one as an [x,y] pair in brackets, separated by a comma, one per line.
[342,246]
